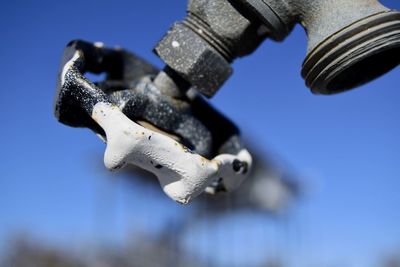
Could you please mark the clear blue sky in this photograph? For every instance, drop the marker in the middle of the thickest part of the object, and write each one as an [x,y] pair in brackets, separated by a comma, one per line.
[53,186]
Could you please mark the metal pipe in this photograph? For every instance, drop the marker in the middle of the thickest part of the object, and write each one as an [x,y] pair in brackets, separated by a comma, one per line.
[349,42]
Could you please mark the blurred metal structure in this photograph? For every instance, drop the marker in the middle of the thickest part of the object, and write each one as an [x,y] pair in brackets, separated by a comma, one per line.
[278,187]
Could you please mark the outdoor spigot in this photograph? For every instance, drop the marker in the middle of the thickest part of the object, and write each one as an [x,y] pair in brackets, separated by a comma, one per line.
[158,121]
[349,42]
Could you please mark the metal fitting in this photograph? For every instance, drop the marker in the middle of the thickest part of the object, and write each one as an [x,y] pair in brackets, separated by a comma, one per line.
[194,59]
[349,42]
[202,46]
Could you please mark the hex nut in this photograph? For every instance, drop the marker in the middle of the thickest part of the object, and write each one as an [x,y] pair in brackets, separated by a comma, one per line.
[194,59]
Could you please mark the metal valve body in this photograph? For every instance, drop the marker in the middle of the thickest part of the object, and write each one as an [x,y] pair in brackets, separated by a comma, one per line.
[349,42]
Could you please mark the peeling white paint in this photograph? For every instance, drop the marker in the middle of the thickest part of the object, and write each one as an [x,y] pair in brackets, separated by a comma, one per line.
[233,179]
[182,174]
[68,66]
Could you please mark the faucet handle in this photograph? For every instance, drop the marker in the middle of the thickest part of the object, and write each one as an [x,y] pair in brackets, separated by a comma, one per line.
[184,141]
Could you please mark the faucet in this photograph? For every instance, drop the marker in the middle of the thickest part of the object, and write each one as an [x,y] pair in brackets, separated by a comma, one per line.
[161,121]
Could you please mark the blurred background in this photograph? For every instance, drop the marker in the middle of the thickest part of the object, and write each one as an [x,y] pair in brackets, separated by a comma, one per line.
[325,190]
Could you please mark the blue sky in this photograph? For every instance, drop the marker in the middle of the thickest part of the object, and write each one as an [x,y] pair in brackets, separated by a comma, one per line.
[53,186]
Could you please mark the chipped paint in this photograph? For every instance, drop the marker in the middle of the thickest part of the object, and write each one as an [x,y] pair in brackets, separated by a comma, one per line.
[68,66]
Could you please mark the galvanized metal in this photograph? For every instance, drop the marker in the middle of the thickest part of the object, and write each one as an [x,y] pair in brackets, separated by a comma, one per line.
[349,42]
[201,47]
